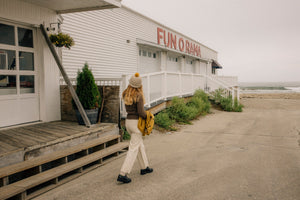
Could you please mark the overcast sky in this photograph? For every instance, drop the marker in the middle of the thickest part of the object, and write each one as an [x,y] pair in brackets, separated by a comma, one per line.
[256,40]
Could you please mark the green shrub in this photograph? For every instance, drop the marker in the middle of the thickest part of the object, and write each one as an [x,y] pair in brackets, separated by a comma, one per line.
[237,107]
[87,90]
[163,120]
[182,112]
[226,103]
[200,94]
[200,101]
[179,111]
[218,95]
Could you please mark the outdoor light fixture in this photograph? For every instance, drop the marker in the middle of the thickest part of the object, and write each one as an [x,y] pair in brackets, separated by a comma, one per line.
[51,28]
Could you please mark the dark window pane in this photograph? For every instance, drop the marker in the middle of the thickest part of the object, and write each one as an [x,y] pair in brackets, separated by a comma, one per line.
[7,34]
[26,84]
[7,85]
[26,61]
[7,60]
[25,37]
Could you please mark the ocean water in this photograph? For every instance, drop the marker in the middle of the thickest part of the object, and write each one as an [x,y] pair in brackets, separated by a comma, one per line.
[269,87]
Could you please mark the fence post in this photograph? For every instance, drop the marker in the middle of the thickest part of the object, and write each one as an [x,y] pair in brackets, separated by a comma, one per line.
[165,89]
[193,89]
[233,94]
[238,93]
[180,85]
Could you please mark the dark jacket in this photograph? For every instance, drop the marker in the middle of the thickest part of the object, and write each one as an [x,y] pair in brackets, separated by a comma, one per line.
[136,110]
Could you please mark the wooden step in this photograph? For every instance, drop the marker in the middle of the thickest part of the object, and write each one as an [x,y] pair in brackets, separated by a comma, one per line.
[28,164]
[21,188]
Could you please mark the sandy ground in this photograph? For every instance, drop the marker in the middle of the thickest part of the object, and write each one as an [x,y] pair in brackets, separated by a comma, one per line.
[222,156]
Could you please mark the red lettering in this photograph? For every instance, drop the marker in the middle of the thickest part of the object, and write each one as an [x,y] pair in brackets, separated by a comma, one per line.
[197,50]
[181,44]
[159,36]
[192,49]
[173,41]
[187,46]
[168,45]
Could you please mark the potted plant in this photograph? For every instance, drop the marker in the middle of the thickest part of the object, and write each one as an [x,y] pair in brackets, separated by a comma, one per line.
[88,94]
[61,40]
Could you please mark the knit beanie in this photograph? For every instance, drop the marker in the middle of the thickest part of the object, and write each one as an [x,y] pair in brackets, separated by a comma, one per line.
[135,81]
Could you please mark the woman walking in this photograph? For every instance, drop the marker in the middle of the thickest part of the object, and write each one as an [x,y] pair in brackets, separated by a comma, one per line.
[134,103]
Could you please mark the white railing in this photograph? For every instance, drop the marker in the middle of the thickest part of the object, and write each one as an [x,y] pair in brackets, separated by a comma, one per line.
[99,81]
[161,86]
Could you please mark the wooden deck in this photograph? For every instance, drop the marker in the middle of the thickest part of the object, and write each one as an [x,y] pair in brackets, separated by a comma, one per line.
[29,137]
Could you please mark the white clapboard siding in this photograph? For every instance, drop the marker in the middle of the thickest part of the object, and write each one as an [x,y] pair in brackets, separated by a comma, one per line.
[22,12]
[106,39]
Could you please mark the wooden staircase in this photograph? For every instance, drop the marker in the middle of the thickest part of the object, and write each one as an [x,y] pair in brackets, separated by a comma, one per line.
[33,177]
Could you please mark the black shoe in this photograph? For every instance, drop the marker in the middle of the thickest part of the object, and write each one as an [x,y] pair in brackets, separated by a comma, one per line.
[123,179]
[147,170]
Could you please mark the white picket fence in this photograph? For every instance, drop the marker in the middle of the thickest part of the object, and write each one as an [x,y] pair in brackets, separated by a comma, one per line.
[161,86]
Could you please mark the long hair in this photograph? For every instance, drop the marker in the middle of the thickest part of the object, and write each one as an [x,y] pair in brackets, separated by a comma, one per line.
[131,94]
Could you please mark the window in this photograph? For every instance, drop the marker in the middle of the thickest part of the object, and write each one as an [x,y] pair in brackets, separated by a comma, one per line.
[27,84]
[25,37]
[26,61]
[154,55]
[8,84]
[190,62]
[17,66]
[7,34]
[149,54]
[144,53]
[7,59]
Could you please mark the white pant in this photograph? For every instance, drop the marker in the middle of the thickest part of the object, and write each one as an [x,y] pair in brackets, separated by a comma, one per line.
[136,148]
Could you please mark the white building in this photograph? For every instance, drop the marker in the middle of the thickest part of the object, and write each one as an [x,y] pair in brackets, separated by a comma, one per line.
[121,41]
[113,41]
[29,76]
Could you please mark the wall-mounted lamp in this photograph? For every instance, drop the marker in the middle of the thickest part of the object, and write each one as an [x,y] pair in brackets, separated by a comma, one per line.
[52,27]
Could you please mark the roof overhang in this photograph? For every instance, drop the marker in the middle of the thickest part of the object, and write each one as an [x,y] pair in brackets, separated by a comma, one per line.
[70,6]
[216,65]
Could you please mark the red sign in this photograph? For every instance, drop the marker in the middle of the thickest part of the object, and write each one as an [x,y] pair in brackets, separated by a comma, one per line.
[172,41]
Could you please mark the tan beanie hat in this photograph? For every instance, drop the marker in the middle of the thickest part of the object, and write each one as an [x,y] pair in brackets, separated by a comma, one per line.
[135,81]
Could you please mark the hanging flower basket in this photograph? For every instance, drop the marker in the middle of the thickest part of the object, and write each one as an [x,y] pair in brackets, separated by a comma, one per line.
[61,40]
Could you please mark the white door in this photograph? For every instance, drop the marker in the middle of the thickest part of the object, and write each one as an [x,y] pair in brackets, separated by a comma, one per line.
[19,99]
[189,67]
[173,63]
[149,61]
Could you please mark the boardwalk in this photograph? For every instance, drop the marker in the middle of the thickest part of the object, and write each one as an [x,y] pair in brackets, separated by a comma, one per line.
[16,142]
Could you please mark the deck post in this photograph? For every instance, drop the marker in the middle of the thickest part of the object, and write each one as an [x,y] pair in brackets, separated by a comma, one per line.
[66,78]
